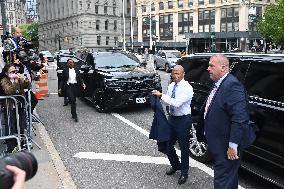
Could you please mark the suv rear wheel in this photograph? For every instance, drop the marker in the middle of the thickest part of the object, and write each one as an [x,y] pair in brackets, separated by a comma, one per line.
[100,101]
[198,150]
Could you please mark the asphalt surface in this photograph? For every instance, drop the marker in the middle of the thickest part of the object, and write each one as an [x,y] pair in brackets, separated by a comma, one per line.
[120,155]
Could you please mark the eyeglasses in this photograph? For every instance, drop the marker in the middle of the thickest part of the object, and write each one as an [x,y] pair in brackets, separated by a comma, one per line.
[14,71]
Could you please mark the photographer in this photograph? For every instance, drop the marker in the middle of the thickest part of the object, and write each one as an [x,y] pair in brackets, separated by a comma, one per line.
[19,177]
[17,168]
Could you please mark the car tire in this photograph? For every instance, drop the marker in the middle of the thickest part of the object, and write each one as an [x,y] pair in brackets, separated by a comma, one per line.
[167,68]
[198,149]
[100,101]
[155,65]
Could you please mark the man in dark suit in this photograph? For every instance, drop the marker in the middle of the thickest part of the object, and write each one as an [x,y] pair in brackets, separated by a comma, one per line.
[225,116]
[178,97]
[71,82]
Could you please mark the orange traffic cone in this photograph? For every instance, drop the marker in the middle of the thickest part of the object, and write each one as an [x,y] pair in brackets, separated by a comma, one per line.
[37,93]
[43,84]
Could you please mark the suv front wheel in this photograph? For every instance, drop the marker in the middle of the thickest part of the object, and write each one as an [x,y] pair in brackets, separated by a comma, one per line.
[100,101]
[197,149]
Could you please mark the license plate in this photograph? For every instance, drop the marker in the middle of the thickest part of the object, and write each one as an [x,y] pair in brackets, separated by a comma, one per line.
[140,100]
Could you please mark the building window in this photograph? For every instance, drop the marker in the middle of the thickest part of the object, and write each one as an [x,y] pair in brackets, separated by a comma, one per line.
[144,8]
[152,7]
[180,3]
[97,25]
[90,24]
[107,40]
[105,9]
[161,6]
[170,5]
[211,1]
[223,27]
[98,40]
[212,14]
[236,26]
[236,12]
[106,25]
[88,5]
[229,12]
[223,13]
[190,3]
[115,25]
[200,2]
[206,28]
[80,5]
[200,28]
[128,11]
[212,28]
[97,9]
[206,15]
[180,30]
[200,15]
[229,27]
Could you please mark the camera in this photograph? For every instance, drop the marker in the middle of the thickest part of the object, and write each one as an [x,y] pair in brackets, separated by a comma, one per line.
[23,160]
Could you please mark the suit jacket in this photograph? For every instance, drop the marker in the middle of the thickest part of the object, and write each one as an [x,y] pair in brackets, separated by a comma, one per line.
[160,129]
[227,117]
[65,77]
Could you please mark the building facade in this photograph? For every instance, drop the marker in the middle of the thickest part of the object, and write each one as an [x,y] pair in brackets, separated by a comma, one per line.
[201,25]
[15,13]
[93,24]
[31,7]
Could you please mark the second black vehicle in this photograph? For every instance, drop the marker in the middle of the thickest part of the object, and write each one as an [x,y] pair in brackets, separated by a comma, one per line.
[116,80]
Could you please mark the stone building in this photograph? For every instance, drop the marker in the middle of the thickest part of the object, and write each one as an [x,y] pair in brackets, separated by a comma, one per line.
[94,24]
[15,13]
[201,25]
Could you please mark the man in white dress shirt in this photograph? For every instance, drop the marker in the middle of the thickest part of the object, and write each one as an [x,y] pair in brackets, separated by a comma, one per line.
[178,97]
[71,82]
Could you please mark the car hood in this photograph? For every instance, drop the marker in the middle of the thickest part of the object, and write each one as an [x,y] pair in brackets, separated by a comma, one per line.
[173,59]
[127,72]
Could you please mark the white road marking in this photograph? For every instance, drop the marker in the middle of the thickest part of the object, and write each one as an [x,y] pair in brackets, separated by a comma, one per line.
[192,162]
[123,157]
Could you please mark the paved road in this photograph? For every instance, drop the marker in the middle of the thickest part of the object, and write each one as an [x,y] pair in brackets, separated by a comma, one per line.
[113,150]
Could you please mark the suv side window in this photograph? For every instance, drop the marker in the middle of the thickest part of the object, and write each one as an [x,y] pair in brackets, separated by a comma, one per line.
[265,81]
[239,69]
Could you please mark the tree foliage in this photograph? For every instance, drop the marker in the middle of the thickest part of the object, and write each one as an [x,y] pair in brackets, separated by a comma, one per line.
[30,32]
[272,24]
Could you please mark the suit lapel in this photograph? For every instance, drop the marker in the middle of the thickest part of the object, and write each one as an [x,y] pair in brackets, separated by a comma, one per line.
[216,93]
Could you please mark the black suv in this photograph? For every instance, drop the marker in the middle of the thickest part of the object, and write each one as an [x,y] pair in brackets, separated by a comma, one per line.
[263,77]
[115,80]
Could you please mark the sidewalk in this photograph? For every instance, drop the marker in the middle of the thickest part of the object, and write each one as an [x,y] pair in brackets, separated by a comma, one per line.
[51,172]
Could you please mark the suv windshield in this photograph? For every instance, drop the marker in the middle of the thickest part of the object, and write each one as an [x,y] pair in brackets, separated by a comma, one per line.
[173,54]
[115,60]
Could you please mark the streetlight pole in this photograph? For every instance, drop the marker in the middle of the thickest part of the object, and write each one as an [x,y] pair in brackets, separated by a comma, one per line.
[150,16]
[123,15]
[3,14]
[131,24]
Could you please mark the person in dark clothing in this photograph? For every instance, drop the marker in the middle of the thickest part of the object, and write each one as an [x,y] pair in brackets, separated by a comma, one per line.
[71,81]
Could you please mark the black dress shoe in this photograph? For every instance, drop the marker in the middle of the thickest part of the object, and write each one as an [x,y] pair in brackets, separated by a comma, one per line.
[76,119]
[171,171]
[182,179]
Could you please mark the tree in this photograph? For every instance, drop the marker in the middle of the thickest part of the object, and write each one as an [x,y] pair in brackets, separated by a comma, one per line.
[271,26]
[30,32]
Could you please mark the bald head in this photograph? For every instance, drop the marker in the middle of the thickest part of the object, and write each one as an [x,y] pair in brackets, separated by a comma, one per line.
[218,66]
[177,73]
[16,32]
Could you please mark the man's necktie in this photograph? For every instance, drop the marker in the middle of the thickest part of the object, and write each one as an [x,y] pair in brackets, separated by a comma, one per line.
[173,96]
[209,99]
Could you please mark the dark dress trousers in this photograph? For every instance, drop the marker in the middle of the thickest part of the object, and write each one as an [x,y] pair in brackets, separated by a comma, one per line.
[160,129]
[226,120]
[72,90]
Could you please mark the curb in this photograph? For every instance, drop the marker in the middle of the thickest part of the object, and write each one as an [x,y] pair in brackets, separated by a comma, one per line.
[63,174]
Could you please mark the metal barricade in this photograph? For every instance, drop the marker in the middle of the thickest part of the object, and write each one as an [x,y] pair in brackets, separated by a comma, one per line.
[9,120]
